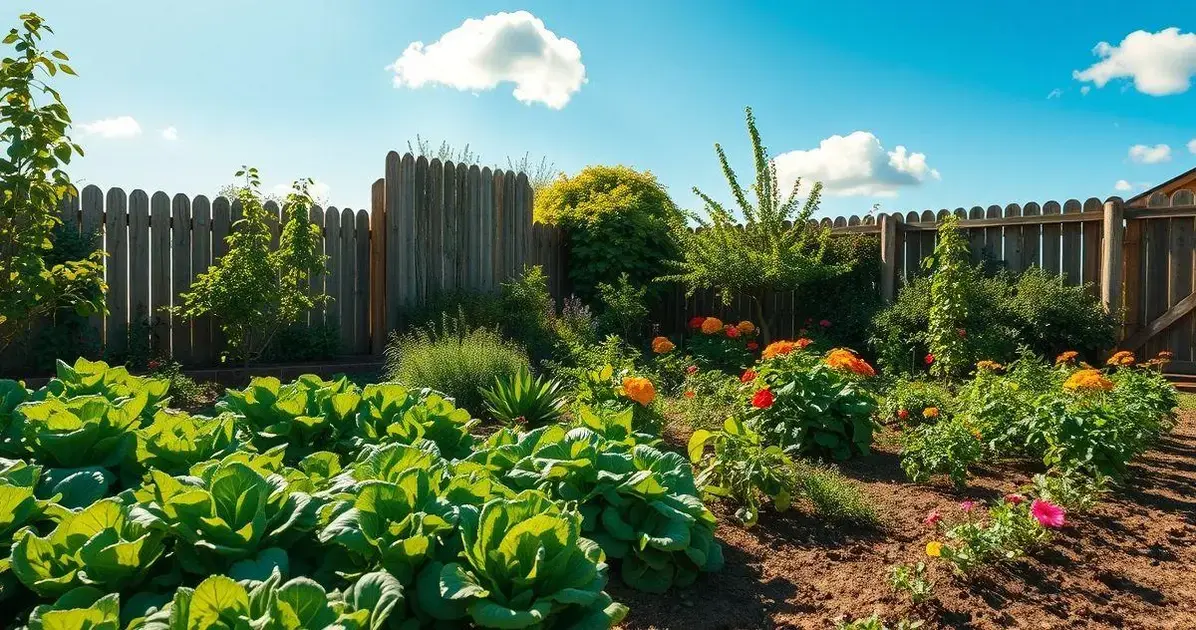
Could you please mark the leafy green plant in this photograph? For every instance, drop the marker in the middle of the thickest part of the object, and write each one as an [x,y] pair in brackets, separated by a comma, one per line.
[305,415]
[624,309]
[224,513]
[175,441]
[12,394]
[114,383]
[1070,489]
[102,545]
[906,399]
[1009,533]
[82,431]
[948,308]
[254,290]
[19,482]
[729,348]
[454,359]
[83,607]
[524,565]
[948,447]
[185,392]
[807,406]
[390,412]
[777,249]
[875,622]
[834,496]
[32,186]
[614,423]
[617,220]
[525,400]
[911,579]
[742,468]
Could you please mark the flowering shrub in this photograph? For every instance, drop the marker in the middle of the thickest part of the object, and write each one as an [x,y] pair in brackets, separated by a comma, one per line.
[906,398]
[716,345]
[1013,528]
[608,387]
[948,447]
[811,405]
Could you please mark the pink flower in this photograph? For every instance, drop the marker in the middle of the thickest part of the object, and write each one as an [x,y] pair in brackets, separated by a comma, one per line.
[826,323]
[1047,514]
[932,519]
[1015,499]
[967,506]
[691,369]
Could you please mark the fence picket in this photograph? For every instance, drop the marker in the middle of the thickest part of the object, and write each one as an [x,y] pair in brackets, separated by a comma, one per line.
[347,300]
[180,276]
[1071,244]
[332,276]
[116,271]
[361,289]
[201,259]
[139,271]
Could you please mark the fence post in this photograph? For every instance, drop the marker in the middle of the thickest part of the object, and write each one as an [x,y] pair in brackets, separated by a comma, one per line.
[1112,248]
[888,257]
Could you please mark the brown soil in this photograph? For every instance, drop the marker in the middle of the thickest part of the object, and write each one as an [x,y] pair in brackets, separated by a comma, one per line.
[1129,563]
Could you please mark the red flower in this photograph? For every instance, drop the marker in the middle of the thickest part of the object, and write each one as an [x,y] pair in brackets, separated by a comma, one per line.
[903,414]
[689,393]
[763,399]
[696,322]
[153,365]
[962,333]
[826,323]
[753,346]
[929,359]
[932,519]
[749,375]
[732,331]
[1014,499]
[693,369]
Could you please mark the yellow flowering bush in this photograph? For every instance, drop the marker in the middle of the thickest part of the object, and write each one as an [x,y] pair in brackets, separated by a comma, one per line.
[662,345]
[1123,358]
[1089,380]
[639,389]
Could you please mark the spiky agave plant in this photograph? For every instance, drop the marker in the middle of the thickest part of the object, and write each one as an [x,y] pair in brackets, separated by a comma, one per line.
[778,248]
[520,398]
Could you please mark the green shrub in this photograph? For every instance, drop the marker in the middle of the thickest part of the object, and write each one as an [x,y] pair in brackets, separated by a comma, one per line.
[522,399]
[618,220]
[948,447]
[906,399]
[742,468]
[623,310]
[1052,317]
[454,359]
[1010,532]
[849,301]
[728,347]
[305,342]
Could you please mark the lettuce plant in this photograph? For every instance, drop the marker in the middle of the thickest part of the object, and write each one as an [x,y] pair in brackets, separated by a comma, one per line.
[101,545]
[229,512]
[12,393]
[82,608]
[219,602]
[114,383]
[20,507]
[305,415]
[524,565]
[174,441]
[390,412]
[88,430]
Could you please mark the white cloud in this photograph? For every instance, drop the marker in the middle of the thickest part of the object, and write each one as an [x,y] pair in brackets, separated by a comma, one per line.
[1159,63]
[170,133]
[856,164]
[480,54]
[1123,186]
[119,127]
[1055,93]
[1192,145]
[1144,154]
[1084,90]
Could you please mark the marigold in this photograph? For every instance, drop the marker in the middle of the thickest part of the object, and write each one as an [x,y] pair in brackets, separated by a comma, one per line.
[1066,357]
[1088,380]
[1121,359]
[934,549]
[803,342]
[689,393]
[731,331]
[639,389]
[930,412]
[712,325]
[763,399]
[753,346]
[748,376]
[778,348]
[844,359]
[902,414]
[991,366]
[746,327]
[661,345]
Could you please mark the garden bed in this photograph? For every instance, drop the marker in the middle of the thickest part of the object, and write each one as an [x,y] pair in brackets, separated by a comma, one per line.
[1129,563]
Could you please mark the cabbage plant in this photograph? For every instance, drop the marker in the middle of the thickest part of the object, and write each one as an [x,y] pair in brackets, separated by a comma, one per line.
[98,378]
[82,608]
[227,513]
[390,412]
[306,415]
[12,393]
[175,440]
[89,430]
[525,564]
[101,545]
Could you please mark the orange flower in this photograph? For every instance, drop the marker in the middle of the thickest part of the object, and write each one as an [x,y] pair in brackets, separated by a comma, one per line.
[753,346]
[731,331]
[1066,357]
[930,412]
[748,376]
[712,325]
[778,348]
[689,393]
[661,345]
[1121,359]
[991,366]
[803,342]
[639,389]
[746,327]
[1088,380]
[846,360]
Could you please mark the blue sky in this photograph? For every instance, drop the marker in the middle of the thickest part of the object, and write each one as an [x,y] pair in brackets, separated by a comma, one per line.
[983,100]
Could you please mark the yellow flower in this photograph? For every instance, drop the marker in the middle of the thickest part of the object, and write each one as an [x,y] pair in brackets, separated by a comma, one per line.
[991,366]
[712,325]
[1121,359]
[1066,357]
[1088,380]
[930,412]
[639,389]
[661,345]
[746,327]
[934,549]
